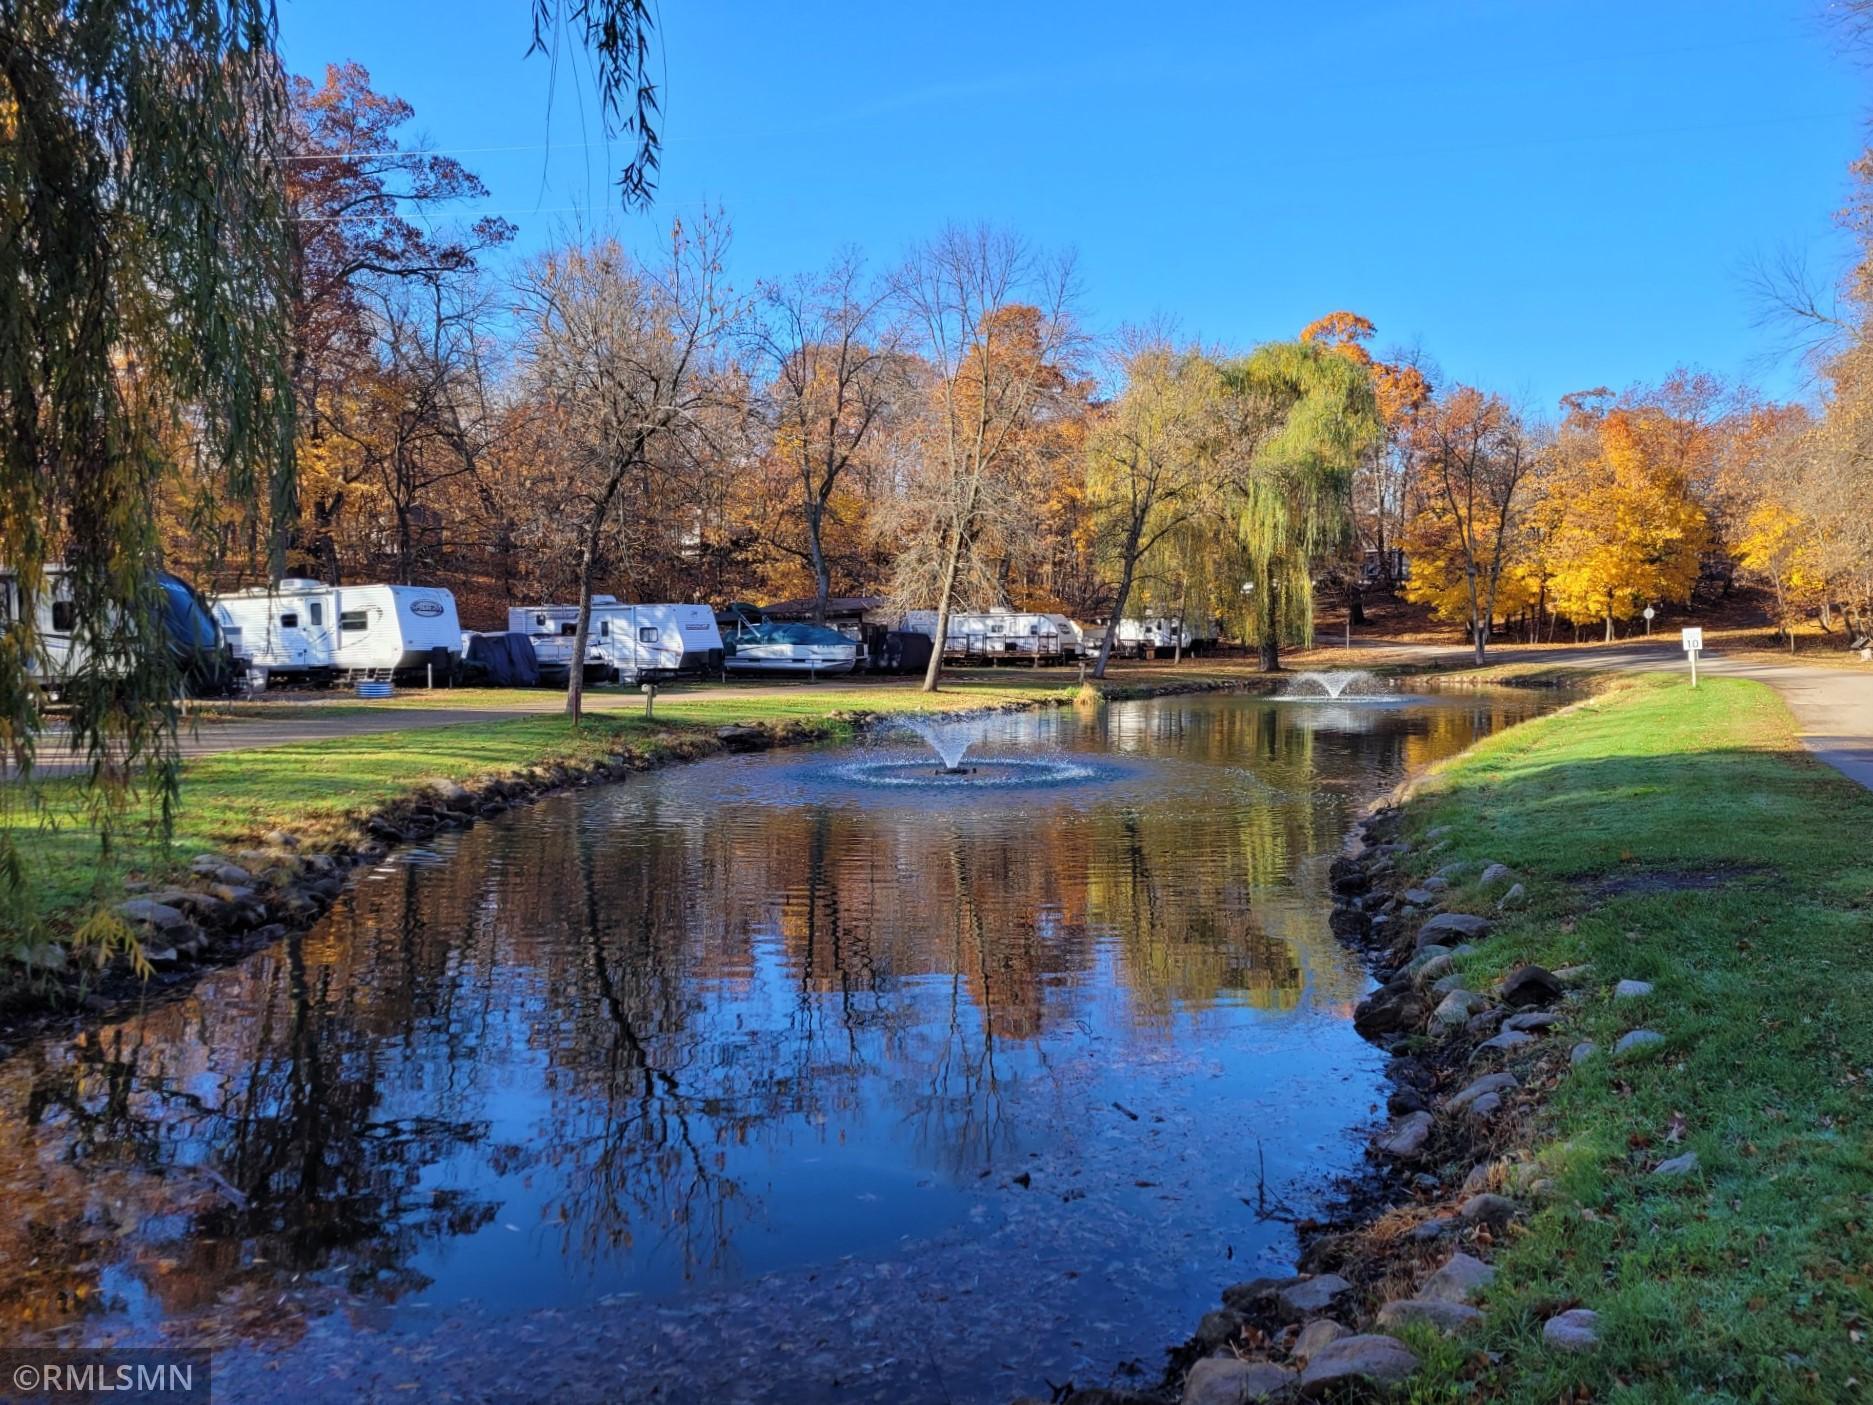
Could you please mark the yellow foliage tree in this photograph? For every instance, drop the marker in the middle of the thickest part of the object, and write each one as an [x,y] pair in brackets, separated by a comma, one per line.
[1619,524]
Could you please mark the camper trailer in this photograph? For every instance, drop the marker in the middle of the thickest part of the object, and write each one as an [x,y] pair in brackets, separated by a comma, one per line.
[996,636]
[1154,636]
[628,643]
[204,666]
[307,630]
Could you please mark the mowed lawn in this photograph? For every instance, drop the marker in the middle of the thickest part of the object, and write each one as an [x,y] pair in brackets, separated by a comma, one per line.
[1684,838]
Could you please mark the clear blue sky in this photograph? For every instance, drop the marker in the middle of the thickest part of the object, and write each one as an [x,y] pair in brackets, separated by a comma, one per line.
[1544,195]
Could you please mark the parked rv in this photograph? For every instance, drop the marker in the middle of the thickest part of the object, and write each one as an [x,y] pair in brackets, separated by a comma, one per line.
[204,665]
[996,636]
[1154,636]
[310,631]
[753,644]
[630,643]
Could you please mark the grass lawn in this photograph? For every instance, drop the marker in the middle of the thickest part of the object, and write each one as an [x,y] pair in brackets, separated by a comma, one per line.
[1683,838]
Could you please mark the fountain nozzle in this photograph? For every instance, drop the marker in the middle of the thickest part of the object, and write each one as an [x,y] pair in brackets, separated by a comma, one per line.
[955,770]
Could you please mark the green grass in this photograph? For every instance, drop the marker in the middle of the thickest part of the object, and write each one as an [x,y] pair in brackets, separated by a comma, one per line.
[1683,837]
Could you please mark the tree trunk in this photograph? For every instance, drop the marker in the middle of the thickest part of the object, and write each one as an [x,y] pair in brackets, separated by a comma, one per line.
[822,573]
[1609,624]
[575,673]
[1355,603]
[1268,642]
[952,563]
[1118,613]
[1480,636]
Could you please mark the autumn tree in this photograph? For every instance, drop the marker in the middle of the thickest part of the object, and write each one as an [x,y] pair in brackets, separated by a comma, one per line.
[831,347]
[1382,498]
[626,360]
[991,319]
[1146,459]
[1620,526]
[1473,457]
[1295,418]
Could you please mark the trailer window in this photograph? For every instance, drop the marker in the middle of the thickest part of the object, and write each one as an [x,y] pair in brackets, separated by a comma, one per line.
[647,634]
[351,621]
[316,612]
[64,615]
[289,620]
[568,630]
[540,620]
[604,629]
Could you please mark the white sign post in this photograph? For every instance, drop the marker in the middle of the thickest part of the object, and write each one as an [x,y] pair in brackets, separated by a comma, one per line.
[1693,644]
[1649,612]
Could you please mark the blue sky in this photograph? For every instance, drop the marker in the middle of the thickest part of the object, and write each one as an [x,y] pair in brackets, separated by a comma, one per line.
[1542,195]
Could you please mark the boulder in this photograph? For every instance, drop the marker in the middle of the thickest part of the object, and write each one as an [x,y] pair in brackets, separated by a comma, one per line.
[1514,898]
[1369,1358]
[1407,1136]
[1507,1041]
[1315,1335]
[1493,1210]
[1392,1009]
[1254,1291]
[1423,972]
[1493,874]
[1434,1228]
[1483,1023]
[1632,990]
[1485,1107]
[41,956]
[1530,985]
[1458,1280]
[1572,976]
[1532,1020]
[280,839]
[1222,1380]
[1434,884]
[1488,1083]
[1577,1329]
[741,738]
[1582,1051]
[1312,1294]
[1460,925]
[1218,1328]
[1441,1313]
[1677,1166]
[149,913]
[1420,897]
[1455,1009]
[1637,1039]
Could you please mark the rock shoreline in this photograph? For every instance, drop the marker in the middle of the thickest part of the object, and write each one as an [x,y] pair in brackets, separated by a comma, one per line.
[227,906]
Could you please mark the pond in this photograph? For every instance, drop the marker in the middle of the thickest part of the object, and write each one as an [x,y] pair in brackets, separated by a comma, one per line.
[775,1078]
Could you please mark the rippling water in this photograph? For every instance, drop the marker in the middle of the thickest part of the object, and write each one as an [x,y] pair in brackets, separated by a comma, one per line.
[798,1077]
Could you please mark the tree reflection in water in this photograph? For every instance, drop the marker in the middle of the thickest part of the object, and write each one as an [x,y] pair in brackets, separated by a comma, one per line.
[707,1024]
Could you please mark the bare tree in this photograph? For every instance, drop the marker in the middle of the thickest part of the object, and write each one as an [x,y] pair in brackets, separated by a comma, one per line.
[833,355]
[1474,455]
[993,319]
[1145,460]
[625,358]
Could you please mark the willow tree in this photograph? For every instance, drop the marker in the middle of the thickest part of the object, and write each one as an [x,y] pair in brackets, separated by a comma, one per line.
[145,286]
[1295,420]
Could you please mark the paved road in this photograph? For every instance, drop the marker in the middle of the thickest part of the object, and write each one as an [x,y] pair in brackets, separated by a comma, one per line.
[1833,707]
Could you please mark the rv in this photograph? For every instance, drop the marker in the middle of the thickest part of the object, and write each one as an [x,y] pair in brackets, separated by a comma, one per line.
[307,630]
[204,667]
[752,644]
[1154,636]
[992,636]
[628,643]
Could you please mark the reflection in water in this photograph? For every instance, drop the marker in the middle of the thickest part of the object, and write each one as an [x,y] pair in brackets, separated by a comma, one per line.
[751,1079]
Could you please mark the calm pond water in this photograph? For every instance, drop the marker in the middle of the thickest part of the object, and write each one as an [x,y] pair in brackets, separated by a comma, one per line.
[785,1078]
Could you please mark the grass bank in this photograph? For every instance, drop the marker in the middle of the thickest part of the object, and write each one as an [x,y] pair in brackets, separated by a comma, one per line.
[1685,839]
[319,789]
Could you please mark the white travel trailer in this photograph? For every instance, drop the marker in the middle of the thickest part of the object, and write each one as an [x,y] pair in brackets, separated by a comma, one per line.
[306,629]
[627,643]
[996,635]
[195,643]
[1152,635]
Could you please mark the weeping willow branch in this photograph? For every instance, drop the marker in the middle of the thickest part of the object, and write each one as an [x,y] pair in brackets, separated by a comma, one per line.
[145,263]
